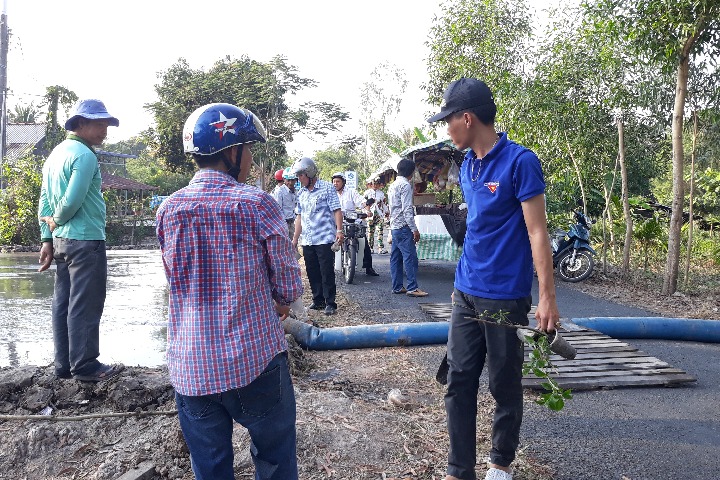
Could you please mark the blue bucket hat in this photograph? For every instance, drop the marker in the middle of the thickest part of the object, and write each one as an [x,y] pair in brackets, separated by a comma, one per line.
[92,110]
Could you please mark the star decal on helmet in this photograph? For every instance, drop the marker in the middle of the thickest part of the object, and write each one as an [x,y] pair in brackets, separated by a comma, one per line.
[224,125]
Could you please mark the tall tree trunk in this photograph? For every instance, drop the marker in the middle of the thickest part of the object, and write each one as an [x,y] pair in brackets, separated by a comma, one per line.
[604,228]
[607,215]
[674,238]
[578,173]
[625,197]
[690,200]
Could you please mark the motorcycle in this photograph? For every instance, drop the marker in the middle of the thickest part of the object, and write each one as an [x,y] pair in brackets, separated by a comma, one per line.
[353,229]
[571,251]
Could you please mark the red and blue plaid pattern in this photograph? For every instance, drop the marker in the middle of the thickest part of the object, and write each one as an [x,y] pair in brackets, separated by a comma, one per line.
[227,256]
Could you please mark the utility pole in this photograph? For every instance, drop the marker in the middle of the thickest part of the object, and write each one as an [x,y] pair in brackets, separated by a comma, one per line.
[4,40]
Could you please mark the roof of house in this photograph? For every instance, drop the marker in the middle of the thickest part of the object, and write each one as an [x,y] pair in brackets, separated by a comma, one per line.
[114,182]
[22,137]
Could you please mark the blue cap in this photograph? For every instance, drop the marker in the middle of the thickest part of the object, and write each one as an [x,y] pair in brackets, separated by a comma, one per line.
[463,94]
[92,110]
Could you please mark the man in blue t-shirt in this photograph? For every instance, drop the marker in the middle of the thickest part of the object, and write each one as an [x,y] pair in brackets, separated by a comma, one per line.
[504,189]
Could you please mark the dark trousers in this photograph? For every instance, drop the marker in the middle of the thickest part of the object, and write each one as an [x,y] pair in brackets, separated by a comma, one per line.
[78,302]
[470,343]
[367,255]
[320,267]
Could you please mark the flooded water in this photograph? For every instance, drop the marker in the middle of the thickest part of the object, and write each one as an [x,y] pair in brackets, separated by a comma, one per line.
[133,327]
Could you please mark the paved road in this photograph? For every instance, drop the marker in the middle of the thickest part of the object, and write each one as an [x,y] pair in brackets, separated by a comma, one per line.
[633,433]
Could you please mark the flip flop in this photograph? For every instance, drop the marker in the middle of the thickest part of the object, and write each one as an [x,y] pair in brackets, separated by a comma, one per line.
[105,372]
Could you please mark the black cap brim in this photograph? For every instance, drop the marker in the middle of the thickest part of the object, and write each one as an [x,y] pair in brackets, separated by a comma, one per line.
[439,116]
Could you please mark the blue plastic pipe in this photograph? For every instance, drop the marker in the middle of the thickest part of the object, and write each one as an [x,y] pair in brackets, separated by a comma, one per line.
[690,329]
[434,333]
[367,336]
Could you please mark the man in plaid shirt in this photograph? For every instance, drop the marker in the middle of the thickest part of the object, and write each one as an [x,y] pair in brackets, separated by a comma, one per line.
[232,275]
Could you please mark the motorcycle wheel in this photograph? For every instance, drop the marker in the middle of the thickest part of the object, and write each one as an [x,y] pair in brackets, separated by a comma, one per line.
[348,262]
[578,270]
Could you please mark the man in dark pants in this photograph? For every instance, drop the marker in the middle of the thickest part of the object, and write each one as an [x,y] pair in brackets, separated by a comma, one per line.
[72,225]
[317,226]
[503,186]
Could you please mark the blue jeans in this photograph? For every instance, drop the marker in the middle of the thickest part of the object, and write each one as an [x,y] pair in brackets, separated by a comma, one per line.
[78,302]
[470,344]
[403,253]
[266,407]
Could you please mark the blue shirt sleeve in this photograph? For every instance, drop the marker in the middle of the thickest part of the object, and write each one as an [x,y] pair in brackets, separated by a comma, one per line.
[528,177]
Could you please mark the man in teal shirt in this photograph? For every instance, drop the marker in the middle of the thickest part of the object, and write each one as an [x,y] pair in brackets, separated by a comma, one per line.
[72,227]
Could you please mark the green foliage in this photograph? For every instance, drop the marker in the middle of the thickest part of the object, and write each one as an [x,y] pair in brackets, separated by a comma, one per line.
[56,97]
[447,196]
[380,99]
[260,87]
[19,202]
[339,159]
[24,114]
[489,38]
[707,195]
[147,169]
[658,30]
[538,362]
[649,233]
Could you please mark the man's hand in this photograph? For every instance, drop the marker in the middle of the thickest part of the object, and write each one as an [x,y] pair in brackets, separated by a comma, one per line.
[282,310]
[547,315]
[50,222]
[416,236]
[46,256]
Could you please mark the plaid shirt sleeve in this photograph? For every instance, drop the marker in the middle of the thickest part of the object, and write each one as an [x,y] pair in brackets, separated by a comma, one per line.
[283,269]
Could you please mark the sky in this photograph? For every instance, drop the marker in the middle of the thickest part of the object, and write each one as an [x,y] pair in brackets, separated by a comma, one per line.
[114,50]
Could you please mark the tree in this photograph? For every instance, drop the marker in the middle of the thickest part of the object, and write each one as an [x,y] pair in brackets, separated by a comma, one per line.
[19,202]
[260,87]
[381,98]
[25,114]
[485,38]
[338,159]
[146,168]
[673,35]
[56,97]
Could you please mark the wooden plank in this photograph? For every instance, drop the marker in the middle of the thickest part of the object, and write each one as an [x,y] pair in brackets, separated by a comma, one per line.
[596,370]
[621,381]
[614,361]
[601,361]
[614,373]
[602,353]
[628,349]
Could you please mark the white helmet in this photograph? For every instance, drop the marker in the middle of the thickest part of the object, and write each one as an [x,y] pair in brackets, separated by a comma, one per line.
[305,166]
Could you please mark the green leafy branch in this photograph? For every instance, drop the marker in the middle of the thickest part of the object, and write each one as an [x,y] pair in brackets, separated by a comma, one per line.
[538,363]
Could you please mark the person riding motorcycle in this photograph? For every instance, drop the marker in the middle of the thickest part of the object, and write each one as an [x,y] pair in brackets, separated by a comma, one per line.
[350,199]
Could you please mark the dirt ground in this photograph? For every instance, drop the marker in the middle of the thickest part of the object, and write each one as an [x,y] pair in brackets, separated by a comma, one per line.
[362,414]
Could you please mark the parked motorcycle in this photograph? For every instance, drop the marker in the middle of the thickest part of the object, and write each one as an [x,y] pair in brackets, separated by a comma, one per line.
[354,228]
[573,257]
